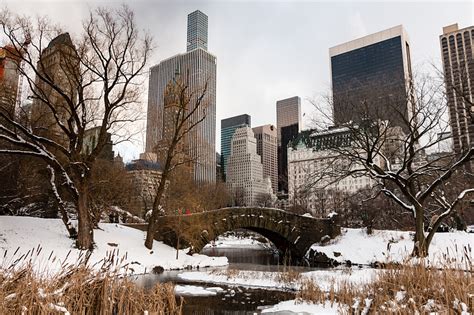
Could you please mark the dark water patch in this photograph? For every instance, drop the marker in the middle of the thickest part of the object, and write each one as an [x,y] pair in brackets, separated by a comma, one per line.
[234,300]
[238,255]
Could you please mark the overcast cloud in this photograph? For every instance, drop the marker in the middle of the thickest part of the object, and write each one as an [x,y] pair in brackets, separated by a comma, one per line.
[269,50]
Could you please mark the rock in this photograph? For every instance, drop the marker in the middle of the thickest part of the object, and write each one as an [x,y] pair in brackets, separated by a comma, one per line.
[336,254]
[325,239]
[318,259]
[158,270]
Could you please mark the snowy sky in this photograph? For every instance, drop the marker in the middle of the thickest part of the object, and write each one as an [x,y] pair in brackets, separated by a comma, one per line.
[268,50]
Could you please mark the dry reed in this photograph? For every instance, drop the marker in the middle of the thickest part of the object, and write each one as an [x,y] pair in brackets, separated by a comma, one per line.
[404,289]
[80,289]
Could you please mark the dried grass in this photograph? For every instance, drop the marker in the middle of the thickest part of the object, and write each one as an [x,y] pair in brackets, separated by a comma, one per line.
[80,289]
[405,289]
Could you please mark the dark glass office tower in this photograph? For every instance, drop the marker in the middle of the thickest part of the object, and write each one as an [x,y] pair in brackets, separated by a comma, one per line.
[228,127]
[370,78]
[288,133]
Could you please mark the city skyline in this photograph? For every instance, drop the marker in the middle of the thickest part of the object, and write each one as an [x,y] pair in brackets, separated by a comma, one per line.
[245,38]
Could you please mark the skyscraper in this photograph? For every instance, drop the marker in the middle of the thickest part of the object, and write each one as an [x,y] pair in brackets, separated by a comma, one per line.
[9,77]
[197,31]
[288,114]
[196,67]
[288,134]
[267,148]
[60,63]
[371,78]
[245,170]
[458,63]
[228,127]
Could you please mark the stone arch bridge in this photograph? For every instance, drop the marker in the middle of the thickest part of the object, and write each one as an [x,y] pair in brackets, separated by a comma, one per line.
[292,234]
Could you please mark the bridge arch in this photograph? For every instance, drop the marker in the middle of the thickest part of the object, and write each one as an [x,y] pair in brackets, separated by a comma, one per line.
[292,234]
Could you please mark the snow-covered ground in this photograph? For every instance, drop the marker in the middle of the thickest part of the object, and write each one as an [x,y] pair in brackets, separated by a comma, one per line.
[298,307]
[395,246]
[45,243]
[276,280]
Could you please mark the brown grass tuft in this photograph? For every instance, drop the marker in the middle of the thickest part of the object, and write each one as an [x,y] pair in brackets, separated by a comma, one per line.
[405,289]
[79,289]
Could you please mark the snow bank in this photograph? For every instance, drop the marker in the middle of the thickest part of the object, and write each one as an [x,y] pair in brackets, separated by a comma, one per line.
[272,280]
[394,246]
[192,290]
[298,307]
[327,278]
[50,250]
[246,278]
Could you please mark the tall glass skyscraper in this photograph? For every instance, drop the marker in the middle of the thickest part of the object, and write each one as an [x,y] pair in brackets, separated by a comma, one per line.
[370,78]
[197,31]
[228,127]
[195,67]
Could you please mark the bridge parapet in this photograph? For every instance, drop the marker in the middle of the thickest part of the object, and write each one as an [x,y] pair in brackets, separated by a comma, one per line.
[292,234]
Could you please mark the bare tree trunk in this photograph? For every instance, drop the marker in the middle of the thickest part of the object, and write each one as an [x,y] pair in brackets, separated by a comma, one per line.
[85,229]
[420,248]
[150,235]
[64,216]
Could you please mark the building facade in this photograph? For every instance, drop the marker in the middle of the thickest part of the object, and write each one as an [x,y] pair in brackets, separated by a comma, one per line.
[316,170]
[267,148]
[197,31]
[197,68]
[371,78]
[91,139]
[288,134]
[57,61]
[228,127]
[288,113]
[145,177]
[245,170]
[9,78]
[458,64]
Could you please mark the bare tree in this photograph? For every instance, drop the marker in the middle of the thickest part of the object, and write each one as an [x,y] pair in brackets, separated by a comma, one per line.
[238,196]
[184,110]
[396,158]
[93,81]
[184,193]
[264,200]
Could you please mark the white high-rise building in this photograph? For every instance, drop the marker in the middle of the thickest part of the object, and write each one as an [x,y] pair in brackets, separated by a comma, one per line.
[267,148]
[316,169]
[245,169]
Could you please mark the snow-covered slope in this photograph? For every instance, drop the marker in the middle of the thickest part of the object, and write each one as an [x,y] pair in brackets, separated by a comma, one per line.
[395,246]
[52,249]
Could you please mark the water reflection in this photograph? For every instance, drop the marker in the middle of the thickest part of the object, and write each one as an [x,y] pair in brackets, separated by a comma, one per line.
[259,256]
